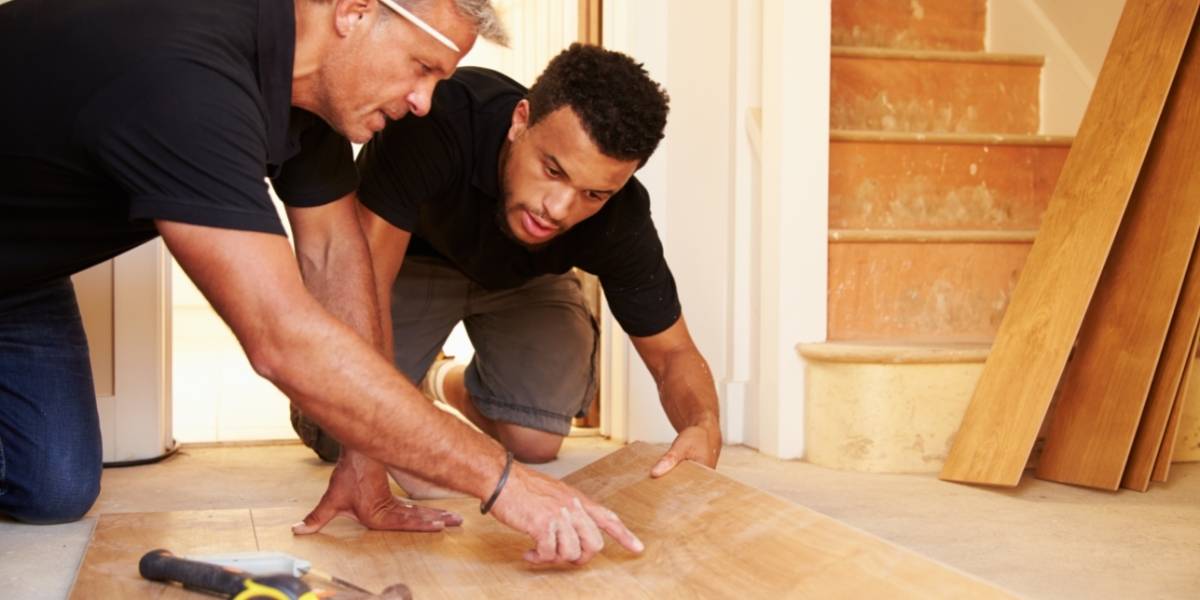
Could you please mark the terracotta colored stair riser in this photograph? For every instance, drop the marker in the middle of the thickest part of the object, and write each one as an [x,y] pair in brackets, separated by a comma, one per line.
[921,291]
[887,94]
[940,186]
[929,24]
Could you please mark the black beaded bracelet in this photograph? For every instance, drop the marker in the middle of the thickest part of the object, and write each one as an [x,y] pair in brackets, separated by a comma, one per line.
[486,506]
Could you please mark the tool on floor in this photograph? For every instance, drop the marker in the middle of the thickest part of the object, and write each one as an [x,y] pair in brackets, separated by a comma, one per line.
[241,584]
[161,565]
[259,564]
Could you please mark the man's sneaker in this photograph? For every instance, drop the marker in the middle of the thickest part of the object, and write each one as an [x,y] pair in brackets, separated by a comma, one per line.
[314,437]
[433,385]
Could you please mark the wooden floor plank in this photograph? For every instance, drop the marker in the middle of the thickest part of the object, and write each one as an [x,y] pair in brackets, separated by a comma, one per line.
[1166,450]
[706,536]
[110,566]
[1178,353]
[1081,222]
[1104,390]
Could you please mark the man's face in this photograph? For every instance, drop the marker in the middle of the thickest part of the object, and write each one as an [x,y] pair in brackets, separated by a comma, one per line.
[553,176]
[383,70]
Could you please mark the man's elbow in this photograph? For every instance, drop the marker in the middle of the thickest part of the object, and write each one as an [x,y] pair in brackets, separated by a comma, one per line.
[273,349]
[266,360]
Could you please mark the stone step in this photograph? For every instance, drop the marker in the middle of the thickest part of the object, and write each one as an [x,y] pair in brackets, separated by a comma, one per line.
[933,91]
[895,407]
[928,24]
[880,180]
[934,286]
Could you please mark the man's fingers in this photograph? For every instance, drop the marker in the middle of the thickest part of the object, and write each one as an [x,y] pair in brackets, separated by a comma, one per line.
[590,538]
[665,464]
[610,523]
[568,539]
[316,520]
[591,541]
[428,513]
[451,519]
[547,543]
[401,518]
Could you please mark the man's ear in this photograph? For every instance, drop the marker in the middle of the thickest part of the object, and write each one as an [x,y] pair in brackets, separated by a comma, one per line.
[349,14]
[520,120]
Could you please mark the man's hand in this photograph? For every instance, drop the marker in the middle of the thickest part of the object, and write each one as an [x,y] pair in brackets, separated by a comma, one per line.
[358,489]
[696,443]
[565,525]
[685,387]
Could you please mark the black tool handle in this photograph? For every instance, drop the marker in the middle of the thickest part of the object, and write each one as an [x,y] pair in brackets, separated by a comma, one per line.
[161,565]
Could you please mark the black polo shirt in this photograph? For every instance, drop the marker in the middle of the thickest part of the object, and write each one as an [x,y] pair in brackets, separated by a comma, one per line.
[437,178]
[122,111]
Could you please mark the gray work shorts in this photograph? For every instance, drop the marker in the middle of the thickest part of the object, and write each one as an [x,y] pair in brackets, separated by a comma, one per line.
[535,345]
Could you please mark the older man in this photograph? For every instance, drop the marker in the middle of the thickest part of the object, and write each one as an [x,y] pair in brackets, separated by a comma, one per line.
[136,118]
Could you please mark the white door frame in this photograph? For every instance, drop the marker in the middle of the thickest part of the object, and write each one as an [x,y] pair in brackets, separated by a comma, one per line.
[780,244]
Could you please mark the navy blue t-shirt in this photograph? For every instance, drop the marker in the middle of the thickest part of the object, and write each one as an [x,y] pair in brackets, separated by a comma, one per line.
[119,112]
[437,178]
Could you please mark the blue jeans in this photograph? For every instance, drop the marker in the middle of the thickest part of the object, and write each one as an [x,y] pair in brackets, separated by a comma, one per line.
[50,452]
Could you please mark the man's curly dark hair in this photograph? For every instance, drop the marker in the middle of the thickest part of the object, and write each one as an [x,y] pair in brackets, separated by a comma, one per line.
[623,111]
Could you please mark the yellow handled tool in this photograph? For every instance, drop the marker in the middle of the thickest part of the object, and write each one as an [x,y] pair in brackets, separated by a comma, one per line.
[161,565]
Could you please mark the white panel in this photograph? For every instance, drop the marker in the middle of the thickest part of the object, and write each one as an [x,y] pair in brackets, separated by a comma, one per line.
[94,290]
[138,425]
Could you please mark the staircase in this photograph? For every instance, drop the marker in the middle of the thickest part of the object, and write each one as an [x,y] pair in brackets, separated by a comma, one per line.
[938,179]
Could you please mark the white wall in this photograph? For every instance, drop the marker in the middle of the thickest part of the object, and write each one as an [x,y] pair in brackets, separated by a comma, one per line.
[539,30]
[793,214]
[750,266]
[1073,35]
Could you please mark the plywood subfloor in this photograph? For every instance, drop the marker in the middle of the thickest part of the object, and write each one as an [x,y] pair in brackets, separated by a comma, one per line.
[706,535]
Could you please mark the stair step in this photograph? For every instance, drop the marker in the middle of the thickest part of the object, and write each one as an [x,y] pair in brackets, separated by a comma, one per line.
[950,139]
[941,181]
[926,91]
[890,408]
[893,407]
[894,353]
[932,236]
[927,286]
[939,24]
[950,56]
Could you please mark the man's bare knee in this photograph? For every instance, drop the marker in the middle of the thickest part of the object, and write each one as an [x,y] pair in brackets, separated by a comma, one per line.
[529,445]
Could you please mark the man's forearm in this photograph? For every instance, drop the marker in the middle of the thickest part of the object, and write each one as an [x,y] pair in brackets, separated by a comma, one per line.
[687,392]
[336,267]
[370,407]
[339,277]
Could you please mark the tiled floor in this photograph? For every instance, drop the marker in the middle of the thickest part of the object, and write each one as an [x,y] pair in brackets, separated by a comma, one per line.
[1042,540]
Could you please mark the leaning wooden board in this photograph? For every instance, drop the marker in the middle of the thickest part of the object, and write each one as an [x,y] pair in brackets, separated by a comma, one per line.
[1104,390]
[1048,305]
[1166,450]
[1176,356]
[706,535]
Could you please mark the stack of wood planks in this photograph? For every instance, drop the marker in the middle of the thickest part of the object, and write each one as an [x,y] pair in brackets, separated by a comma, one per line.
[1105,314]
